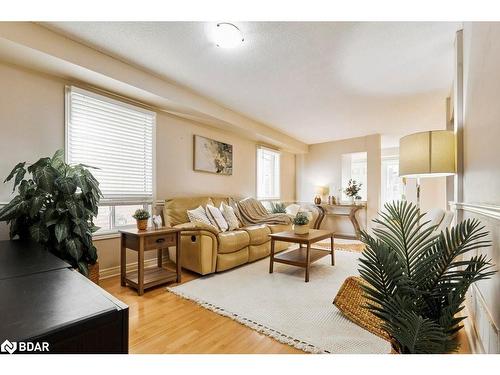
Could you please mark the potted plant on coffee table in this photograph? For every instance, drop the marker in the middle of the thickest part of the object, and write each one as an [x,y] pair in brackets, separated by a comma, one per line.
[301,223]
[55,206]
[141,216]
[417,279]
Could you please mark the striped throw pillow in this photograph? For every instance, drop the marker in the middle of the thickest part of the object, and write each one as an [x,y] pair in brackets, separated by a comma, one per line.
[216,218]
[230,216]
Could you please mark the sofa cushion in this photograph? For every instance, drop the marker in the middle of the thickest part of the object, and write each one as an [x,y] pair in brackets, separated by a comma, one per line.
[231,260]
[232,241]
[259,234]
[175,209]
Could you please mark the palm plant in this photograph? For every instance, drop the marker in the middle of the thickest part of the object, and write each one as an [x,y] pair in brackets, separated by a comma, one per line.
[55,206]
[417,280]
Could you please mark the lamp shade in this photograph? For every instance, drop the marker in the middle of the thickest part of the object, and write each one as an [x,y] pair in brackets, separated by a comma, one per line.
[427,154]
[322,190]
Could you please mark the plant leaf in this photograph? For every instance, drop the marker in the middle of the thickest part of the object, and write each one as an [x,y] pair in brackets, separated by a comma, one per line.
[66,185]
[12,209]
[39,233]
[74,248]
[36,203]
[44,178]
[61,231]
[15,170]
[83,268]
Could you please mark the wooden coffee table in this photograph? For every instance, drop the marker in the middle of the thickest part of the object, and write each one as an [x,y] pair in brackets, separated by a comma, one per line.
[303,256]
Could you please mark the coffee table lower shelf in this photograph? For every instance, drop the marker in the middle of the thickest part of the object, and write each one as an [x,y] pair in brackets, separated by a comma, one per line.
[298,257]
[153,276]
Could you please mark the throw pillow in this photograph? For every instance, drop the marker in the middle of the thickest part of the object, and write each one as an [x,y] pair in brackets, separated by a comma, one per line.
[292,209]
[230,216]
[198,215]
[216,217]
[234,205]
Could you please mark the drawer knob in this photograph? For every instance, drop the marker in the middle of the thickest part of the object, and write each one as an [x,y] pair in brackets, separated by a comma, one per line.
[160,240]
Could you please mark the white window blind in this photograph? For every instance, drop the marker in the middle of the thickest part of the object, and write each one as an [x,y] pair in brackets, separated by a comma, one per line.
[115,137]
[268,173]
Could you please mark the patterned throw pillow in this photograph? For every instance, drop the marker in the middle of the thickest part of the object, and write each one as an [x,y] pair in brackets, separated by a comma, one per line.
[230,216]
[198,215]
[216,217]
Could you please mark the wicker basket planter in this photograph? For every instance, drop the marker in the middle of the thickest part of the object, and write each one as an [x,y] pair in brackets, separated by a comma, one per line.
[301,229]
[142,224]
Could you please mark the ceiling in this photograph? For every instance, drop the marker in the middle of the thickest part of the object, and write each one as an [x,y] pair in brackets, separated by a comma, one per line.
[315,81]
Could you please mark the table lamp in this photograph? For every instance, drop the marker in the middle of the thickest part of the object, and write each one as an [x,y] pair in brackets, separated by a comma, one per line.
[427,154]
[321,191]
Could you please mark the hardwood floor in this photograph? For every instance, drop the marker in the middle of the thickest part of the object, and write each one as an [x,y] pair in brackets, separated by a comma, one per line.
[161,322]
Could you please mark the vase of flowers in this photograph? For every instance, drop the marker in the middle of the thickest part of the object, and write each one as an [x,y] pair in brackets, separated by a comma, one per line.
[352,189]
[142,216]
[301,223]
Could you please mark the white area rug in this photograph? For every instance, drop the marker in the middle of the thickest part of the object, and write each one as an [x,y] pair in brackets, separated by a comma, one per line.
[283,306]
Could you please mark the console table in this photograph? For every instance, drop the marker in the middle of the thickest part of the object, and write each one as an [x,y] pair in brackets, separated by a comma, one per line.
[324,209]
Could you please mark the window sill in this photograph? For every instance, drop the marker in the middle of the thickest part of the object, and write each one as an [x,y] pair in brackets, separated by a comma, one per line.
[106,236]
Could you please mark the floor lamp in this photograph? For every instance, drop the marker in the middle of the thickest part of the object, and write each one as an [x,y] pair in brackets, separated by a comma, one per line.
[427,154]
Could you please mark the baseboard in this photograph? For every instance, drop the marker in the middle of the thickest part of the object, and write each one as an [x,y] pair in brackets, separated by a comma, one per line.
[106,273]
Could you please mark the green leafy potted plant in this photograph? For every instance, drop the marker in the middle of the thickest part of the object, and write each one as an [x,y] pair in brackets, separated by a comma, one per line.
[142,216]
[278,208]
[55,206]
[417,279]
[301,223]
[352,189]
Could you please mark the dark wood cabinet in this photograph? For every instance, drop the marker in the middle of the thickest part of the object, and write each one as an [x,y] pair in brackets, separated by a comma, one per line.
[44,300]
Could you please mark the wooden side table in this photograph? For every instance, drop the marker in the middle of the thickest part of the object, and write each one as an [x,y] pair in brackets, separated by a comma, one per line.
[144,240]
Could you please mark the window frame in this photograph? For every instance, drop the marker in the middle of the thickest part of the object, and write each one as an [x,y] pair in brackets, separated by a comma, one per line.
[114,231]
[383,177]
[257,171]
[343,197]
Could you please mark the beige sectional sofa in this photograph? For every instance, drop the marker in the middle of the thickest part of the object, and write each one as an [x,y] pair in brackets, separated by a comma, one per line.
[205,250]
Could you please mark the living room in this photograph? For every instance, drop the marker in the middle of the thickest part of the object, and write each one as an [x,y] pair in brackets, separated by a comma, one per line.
[245,187]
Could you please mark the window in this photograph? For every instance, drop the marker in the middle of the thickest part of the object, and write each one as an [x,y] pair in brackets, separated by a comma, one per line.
[354,166]
[392,185]
[268,173]
[116,138]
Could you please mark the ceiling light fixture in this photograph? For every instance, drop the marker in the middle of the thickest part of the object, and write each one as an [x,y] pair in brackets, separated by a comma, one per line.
[227,35]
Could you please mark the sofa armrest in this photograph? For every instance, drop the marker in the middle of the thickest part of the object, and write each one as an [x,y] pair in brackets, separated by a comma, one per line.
[197,227]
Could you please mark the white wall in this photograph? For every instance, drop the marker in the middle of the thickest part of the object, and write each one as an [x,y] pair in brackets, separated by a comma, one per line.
[322,165]
[481,187]
[32,126]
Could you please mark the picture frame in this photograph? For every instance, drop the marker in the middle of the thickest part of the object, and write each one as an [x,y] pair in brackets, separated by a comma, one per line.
[212,156]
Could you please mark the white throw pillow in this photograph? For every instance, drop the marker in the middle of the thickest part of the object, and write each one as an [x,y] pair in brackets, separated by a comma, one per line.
[216,218]
[292,209]
[230,216]
[198,215]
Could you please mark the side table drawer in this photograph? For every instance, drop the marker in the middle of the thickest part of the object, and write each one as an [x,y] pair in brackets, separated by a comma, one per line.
[159,241]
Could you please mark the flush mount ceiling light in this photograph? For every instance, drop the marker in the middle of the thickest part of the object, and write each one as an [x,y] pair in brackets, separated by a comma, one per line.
[227,35]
